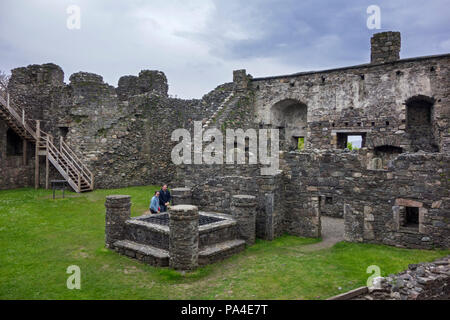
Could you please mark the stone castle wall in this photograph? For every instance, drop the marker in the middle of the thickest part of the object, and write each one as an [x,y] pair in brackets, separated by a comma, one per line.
[122,134]
[370,200]
[399,107]
[369,99]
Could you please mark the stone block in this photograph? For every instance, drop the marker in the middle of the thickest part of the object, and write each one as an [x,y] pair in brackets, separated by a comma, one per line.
[408,203]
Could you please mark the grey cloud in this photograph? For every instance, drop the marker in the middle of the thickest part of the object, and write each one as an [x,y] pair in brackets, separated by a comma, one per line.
[197,43]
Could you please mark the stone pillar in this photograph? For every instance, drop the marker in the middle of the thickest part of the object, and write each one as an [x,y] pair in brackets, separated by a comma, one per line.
[385,47]
[316,223]
[243,209]
[265,227]
[183,239]
[117,212]
[181,196]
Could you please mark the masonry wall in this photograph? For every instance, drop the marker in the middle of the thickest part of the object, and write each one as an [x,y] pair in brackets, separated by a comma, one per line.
[370,200]
[215,193]
[366,99]
[412,180]
[122,134]
[13,173]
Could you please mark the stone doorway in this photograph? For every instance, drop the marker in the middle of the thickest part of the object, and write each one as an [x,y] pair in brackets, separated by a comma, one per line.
[332,232]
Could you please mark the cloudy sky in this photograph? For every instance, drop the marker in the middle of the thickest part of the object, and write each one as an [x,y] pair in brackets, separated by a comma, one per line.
[197,43]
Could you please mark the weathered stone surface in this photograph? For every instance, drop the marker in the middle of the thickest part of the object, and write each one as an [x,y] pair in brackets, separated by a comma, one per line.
[184,237]
[122,134]
[145,253]
[117,213]
[385,47]
[243,210]
[217,252]
[425,281]
[181,196]
[408,203]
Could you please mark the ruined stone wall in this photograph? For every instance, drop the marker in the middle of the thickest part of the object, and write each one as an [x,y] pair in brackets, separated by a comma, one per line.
[122,134]
[372,202]
[13,173]
[215,195]
[368,99]
[37,89]
[423,281]
[376,211]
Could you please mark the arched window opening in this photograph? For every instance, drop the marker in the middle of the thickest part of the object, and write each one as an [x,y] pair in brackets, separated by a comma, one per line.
[290,116]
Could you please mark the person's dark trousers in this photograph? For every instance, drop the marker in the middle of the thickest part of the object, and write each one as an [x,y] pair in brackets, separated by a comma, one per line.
[164,197]
[153,211]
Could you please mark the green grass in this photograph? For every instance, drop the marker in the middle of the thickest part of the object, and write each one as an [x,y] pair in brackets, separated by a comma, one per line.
[41,237]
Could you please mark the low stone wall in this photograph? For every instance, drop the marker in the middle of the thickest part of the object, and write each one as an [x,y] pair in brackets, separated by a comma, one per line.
[216,192]
[424,281]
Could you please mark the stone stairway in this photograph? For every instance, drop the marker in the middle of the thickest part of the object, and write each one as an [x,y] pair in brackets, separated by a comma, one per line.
[62,157]
[148,240]
[221,111]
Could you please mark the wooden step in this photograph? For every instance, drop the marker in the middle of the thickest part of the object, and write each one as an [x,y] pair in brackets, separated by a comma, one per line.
[145,253]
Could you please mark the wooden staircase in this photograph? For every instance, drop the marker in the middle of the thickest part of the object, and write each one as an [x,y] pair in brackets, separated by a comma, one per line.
[61,157]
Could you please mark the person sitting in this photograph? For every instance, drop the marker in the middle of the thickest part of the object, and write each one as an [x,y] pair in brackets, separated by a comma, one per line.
[164,198]
[154,203]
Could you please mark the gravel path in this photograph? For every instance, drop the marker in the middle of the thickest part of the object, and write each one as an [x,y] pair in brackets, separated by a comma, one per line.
[332,233]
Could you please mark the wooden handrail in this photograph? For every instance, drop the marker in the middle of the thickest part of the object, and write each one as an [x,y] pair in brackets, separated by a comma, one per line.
[83,168]
[56,154]
[74,168]
[17,113]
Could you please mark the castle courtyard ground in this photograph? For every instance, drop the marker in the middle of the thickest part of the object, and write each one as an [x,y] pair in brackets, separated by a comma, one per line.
[41,237]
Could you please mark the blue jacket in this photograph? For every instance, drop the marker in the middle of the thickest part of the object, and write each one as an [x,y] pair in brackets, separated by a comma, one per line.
[154,204]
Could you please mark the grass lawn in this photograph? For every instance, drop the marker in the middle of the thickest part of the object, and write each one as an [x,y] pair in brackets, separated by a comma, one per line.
[41,237]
